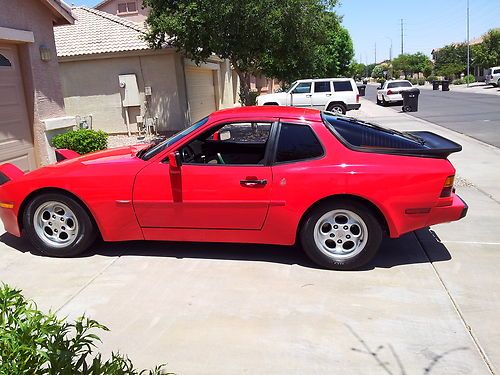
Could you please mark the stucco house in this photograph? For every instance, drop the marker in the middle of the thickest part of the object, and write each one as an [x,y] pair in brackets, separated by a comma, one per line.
[132,10]
[31,100]
[110,74]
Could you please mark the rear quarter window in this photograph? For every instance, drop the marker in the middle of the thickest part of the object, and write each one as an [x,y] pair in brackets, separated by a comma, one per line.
[342,86]
[363,135]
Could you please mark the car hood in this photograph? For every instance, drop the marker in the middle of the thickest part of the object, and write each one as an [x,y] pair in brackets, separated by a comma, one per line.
[271,97]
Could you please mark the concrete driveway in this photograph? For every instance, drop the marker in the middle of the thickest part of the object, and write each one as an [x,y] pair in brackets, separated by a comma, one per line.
[423,306]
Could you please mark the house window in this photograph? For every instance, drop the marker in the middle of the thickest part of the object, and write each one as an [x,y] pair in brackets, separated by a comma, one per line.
[4,61]
[128,7]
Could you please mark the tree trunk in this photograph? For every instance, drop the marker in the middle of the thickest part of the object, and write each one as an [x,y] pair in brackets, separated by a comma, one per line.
[244,86]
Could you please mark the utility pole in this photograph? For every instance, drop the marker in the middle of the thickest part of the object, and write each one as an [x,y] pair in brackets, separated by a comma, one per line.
[402,37]
[375,52]
[390,48]
[468,45]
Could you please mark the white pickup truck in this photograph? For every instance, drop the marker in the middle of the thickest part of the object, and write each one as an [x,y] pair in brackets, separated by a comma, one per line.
[337,95]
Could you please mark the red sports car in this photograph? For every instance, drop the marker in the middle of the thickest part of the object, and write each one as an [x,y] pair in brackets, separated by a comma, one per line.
[272,175]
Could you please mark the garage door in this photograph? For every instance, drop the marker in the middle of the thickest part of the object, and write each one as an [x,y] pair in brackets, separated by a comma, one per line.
[16,144]
[201,92]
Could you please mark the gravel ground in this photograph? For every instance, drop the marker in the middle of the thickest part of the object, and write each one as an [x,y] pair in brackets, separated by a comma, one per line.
[125,140]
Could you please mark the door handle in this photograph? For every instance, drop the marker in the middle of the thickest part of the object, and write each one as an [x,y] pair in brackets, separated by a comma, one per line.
[251,183]
[328,94]
[308,96]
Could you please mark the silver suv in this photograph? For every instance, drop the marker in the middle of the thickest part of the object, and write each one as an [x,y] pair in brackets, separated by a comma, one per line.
[493,76]
[337,95]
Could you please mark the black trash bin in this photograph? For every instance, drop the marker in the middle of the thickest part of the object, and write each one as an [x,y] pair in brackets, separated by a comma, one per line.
[435,85]
[445,85]
[410,100]
[362,90]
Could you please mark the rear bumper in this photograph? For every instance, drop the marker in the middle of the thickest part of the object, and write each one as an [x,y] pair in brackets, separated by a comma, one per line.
[456,211]
[350,107]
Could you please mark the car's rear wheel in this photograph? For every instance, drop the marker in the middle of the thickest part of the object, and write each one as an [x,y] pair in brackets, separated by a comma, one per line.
[337,108]
[385,103]
[58,226]
[378,101]
[341,235]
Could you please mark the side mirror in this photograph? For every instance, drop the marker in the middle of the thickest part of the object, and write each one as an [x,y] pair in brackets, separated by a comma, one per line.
[175,160]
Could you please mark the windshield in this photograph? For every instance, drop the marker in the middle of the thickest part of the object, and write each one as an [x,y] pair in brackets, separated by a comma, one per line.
[154,149]
[392,85]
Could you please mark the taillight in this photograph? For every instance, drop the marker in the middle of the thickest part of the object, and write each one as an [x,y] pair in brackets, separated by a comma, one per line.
[448,187]
[389,92]
[357,98]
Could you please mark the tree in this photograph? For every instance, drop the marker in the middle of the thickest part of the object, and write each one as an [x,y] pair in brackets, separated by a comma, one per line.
[449,57]
[381,70]
[487,54]
[279,39]
[357,70]
[412,63]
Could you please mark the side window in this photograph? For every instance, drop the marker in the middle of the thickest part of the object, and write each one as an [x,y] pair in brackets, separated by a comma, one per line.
[302,88]
[342,86]
[297,142]
[322,86]
[234,143]
[496,71]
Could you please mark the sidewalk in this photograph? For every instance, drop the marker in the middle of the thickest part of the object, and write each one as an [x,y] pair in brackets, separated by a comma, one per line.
[474,88]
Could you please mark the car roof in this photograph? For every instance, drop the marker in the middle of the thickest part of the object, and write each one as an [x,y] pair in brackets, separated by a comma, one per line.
[268,111]
[324,79]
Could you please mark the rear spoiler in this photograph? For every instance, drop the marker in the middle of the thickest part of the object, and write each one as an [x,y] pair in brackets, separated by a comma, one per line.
[435,145]
[65,154]
[9,172]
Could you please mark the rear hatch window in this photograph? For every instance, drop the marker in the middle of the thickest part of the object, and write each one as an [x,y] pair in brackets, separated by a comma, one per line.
[392,85]
[364,136]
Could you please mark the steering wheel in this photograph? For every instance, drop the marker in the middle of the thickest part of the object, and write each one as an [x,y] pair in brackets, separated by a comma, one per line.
[219,159]
[187,153]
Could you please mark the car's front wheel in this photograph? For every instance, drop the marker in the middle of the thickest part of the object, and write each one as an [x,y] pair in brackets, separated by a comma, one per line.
[341,235]
[58,226]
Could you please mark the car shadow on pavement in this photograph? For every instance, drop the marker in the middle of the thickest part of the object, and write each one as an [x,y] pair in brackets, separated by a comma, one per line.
[417,247]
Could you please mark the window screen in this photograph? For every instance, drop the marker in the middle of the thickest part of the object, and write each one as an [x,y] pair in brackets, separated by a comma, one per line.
[322,86]
[297,142]
[342,86]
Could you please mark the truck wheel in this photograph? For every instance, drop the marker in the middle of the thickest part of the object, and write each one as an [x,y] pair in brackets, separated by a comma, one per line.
[341,235]
[57,226]
[337,108]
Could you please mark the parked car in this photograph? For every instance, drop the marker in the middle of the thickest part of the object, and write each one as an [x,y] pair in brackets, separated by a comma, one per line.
[337,95]
[493,76]
[269,175]
[390,91]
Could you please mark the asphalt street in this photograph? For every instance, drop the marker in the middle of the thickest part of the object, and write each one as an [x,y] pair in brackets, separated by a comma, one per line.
[476,115]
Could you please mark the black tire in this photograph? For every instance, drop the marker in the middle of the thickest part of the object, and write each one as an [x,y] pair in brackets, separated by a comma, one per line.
[378,101]
[339,107]
[374,236]
[80,238]
[385,103]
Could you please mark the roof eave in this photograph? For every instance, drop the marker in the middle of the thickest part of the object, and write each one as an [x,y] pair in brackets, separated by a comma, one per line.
[61,10]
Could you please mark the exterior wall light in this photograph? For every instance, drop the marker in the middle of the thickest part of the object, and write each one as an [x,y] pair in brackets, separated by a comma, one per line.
[45,53]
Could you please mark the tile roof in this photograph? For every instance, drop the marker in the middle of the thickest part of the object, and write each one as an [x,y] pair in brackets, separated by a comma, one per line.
[96,32]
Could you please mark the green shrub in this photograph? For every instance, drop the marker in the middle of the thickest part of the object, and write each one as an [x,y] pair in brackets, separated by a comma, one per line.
[381,81]
[421,81]
[253,97]
[82,141]
[431,78]
[470,78]
[413,81]
[32,342]
[458,81]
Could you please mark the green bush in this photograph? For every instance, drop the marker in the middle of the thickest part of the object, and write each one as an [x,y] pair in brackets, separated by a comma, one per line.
[421,81]
[470,78]
[32,342]
[381,81]
[253,97]
[458,81]
[82,141]
[413,81]
[431,78]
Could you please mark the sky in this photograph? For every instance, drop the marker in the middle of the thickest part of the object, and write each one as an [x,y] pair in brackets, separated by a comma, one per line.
[427,24]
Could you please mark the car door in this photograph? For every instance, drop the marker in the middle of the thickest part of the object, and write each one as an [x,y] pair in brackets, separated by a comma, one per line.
[301,95]
[322,94]
[204,193]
